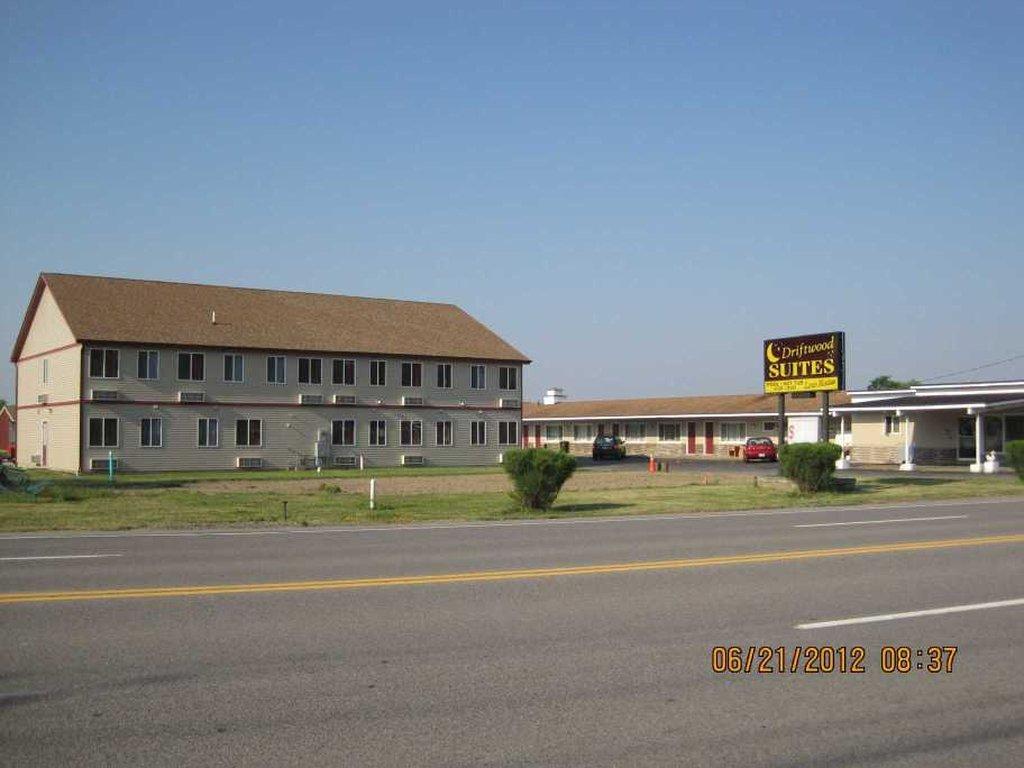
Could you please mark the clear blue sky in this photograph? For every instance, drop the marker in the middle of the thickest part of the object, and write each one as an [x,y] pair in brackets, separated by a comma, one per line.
[635,195]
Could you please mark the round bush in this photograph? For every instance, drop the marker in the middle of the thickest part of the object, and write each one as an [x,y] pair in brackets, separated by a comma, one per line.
[810,465]
[537,475]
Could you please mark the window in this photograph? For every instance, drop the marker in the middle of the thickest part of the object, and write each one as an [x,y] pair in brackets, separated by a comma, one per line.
[478,432]
[443,433]
[477,377]
[191,366]
[508,433]
[735,431]
[249,433]
[149,364]
[104,363]
[378,432]
[102,432]
[412,374]
[209,433]
[311,370]
[378,373]
[582,431]
[636,430]
[343,371]
[770,426]
[892,425]
[444,376]
[552,432]
[152,433]
[508,377]
[44,371]
[669,432]
[343,432]
[234,368]
[275,369]
[412,433]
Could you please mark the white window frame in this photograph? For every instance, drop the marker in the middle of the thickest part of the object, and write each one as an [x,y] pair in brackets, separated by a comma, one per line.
[444,373]
[893,426]
[104,350]
[511,430]
[149,354]
[191,355]
[583,432]
[346,363]
[160,429]
[216,432]
[382,427]
[378,371]
[643,430]
[343,422]
[413,366]
[474,381]
[248,434]
[280,367]
[558,427]
[240,359]
[478,432]
[117,422]
[309,365]
[412,432]
[671,425]
[511,374]
[724,425]
[446,430]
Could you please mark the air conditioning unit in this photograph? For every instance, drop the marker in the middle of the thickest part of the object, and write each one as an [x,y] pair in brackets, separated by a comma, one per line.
[249,462]
[42,398]
[412,461]
[412,400]
[191,397]
[105,394]
[509,402]
[344,399]
[311,399]
[101,465]
[343,461]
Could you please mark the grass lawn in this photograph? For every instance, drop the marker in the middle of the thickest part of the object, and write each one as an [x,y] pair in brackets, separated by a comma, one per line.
[168,501]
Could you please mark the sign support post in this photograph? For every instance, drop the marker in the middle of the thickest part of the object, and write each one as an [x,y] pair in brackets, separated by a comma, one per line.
[823,433]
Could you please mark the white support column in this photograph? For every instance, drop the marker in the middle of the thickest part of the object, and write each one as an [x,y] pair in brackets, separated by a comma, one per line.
[979,444]
[908,447]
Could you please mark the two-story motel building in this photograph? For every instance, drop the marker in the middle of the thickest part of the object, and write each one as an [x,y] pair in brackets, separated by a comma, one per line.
[173,376]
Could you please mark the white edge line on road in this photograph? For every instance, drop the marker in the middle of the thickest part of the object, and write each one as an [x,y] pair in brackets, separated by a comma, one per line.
[872,522]
[53,557]
[414,527]
[912,614]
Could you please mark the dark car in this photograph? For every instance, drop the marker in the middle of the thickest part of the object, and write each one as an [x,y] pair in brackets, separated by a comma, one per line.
[760,449]
[609,447]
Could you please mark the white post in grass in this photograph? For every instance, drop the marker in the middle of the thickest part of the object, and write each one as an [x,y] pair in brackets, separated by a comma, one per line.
[842,462]
[373,492]
[908,448]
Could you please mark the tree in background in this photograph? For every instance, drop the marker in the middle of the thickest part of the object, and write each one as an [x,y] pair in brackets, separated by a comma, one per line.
[885,381]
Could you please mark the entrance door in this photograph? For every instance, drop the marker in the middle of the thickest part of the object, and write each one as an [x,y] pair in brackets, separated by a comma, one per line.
[691,437]
[965,439]
[44,443]
[709,438]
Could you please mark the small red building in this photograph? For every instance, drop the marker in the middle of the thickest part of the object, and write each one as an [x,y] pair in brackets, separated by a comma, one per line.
[8,436]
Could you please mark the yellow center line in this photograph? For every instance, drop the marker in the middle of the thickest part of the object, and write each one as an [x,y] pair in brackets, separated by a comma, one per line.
[522,573]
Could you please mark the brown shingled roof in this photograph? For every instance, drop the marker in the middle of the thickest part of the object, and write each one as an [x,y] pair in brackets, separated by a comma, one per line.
[655,407]
[111,309]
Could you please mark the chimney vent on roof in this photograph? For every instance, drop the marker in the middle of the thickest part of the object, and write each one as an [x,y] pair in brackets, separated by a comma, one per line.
[554,395]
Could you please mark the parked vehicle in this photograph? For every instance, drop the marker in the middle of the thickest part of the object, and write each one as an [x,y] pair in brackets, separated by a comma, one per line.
[760,449]
[609,447]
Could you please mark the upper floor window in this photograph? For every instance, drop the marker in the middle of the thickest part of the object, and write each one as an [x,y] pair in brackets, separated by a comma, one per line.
[311,370]
[249,433]
[508,433]
[102,432]
[151,433]
[477,377]
[478,432]
[343,372]
[149,364]
[412,374]
[275,369]
[508,377]
[234,368]
[104,363]
[191,366]
[412,433]
[444,375]
[378,373]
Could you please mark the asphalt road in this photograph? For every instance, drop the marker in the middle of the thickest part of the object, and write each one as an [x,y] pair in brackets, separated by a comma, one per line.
[359,647]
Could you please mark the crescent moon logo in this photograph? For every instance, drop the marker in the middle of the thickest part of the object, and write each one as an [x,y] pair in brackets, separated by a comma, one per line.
[770,354]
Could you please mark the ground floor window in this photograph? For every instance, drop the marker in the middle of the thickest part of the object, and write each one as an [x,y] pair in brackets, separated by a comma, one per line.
[478,432]
[770,426]
[378,432]
[249,433]
[732,431]
[209,433]
[636,430]
[103,432]
[553,432]
[582,431]
[508,432]
[669,432]
[443,433]
[343,432]
[1014,428]
[412,433]
[892,425]
[152,433]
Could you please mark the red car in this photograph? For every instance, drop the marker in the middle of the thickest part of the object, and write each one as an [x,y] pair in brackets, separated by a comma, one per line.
[760,449]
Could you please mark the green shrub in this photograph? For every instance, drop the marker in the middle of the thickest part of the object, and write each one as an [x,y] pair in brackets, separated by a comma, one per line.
[537,475]
[1015,456]
[810,465]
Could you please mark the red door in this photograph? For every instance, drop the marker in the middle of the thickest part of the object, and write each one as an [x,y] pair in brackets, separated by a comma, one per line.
[709,438]
[691,437]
